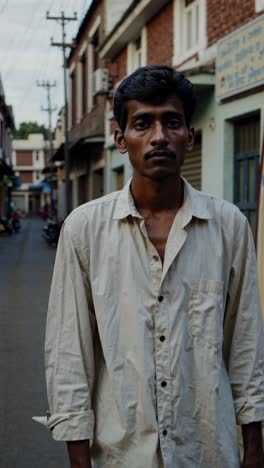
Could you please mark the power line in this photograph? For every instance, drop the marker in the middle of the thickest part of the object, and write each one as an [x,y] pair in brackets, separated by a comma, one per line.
[4,7]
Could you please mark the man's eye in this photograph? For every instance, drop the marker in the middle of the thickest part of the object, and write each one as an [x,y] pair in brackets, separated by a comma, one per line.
[174,123]
[141,125]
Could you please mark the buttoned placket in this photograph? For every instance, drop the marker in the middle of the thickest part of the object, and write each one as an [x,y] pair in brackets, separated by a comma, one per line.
[162,358]
[175,242]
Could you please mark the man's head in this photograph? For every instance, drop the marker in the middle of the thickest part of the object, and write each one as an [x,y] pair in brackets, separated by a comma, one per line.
[153,84]
[153,108]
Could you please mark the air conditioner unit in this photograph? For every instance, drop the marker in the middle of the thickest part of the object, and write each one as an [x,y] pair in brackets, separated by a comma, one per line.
[100,81]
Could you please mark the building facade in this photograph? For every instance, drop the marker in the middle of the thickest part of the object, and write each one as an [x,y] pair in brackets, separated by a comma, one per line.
[222,54]
[88,86]
[30,158]
[7,128]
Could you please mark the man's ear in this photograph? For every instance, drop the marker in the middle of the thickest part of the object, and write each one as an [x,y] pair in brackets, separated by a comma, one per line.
[190,142]
[120,141]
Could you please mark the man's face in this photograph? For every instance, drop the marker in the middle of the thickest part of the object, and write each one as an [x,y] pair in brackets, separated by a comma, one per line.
[156,138]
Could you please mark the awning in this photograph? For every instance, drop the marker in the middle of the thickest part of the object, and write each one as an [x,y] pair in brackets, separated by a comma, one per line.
[35,187]
[49,170]
[43,187]
[59,155]
[201,76]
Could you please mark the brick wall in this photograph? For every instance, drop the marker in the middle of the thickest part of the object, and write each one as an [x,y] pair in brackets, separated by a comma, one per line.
[224,17]
[91,123]
[160,37]
[118,66]
[24,158]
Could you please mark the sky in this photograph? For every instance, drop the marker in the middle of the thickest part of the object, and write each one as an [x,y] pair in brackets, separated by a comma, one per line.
[27,56]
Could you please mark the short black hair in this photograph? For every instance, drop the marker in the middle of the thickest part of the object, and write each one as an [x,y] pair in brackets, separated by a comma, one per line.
[153,84]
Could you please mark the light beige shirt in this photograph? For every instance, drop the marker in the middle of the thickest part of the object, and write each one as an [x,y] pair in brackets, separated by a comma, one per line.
[155,363]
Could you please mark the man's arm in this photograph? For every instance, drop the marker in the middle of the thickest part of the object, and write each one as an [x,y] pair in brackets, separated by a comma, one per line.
[244,343]
[79,454]
[69,345]
[253,445]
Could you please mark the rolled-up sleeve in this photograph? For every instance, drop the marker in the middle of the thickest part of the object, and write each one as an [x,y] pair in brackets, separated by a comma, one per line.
[69,347]
[243,330]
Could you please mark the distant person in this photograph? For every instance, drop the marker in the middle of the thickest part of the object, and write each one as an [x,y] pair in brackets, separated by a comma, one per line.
[154,345]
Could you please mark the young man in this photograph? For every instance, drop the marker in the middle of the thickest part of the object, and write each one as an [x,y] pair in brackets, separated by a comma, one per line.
[154,346]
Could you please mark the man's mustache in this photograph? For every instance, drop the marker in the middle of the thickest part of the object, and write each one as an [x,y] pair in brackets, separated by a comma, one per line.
[159,152]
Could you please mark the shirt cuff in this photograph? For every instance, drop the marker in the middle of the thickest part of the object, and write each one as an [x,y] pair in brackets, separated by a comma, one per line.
[69,426]
[249,410]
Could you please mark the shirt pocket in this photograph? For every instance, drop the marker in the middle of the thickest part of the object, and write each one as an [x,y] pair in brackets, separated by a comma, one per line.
[206,311]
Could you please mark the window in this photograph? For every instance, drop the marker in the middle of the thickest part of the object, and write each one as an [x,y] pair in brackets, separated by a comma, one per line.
[26,177]
[93,65]
[81,84]
[24,158]
[191,24]
[73,99]
[246,165]
[137,52]
[84,84]
[189,28]
[37,155]
[95,43]
[93,60]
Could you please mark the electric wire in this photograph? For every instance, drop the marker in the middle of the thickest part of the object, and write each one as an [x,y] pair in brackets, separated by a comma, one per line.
[44,67]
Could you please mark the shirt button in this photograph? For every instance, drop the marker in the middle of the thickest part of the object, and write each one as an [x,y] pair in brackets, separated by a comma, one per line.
[162,338]
[164,432]
[160,298]
[156,258]
[164,384]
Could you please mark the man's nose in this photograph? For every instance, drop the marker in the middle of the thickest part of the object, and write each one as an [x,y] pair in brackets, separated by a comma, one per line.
[159,135]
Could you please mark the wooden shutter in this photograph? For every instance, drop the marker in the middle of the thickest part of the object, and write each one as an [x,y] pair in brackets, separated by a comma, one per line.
[192,167]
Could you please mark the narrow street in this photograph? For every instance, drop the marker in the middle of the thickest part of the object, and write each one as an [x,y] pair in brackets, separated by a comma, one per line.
[25,275]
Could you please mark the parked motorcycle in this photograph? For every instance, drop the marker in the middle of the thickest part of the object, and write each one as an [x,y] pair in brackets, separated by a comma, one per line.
[5,226]
[51,232]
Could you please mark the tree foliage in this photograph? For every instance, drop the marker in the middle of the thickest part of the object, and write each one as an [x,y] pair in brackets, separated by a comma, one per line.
[25,128]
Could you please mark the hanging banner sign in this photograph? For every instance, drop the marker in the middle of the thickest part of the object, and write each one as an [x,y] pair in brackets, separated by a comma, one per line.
[240,60]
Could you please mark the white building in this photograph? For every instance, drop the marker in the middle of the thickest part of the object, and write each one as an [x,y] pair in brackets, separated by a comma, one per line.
[29,158]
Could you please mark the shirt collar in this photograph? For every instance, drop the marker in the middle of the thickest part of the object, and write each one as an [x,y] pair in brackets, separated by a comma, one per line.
[194,204]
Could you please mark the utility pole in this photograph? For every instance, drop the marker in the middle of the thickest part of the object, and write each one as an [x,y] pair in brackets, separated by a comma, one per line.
[62,20]
[49,109]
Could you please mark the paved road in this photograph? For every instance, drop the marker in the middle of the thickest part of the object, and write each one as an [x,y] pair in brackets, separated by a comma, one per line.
[26,264]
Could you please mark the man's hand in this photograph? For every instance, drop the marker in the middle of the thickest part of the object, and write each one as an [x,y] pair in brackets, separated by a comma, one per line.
[253,446]
[79,454]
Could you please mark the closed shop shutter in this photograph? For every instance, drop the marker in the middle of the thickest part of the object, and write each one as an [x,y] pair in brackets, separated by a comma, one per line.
[192,167]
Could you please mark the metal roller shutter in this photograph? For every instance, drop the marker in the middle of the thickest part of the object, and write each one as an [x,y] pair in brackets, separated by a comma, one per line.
[192,167]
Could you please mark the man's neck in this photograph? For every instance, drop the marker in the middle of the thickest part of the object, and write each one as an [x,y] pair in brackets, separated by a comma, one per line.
[157,196]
